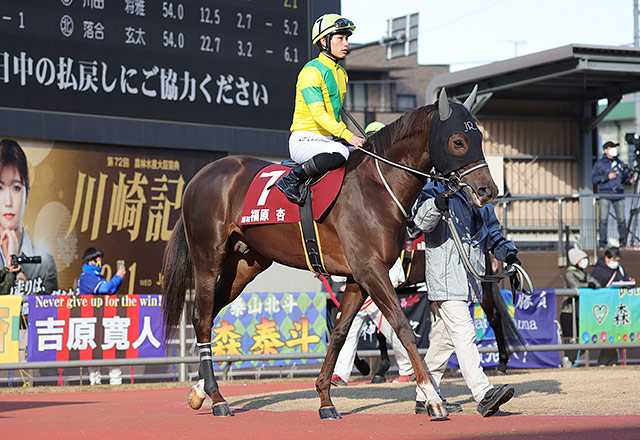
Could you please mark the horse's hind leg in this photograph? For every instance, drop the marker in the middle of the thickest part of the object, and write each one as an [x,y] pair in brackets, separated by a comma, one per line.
[208,303]
[237,271]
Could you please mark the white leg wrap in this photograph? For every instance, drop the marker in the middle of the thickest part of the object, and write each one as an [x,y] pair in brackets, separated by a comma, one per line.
[198,387]
[426,392]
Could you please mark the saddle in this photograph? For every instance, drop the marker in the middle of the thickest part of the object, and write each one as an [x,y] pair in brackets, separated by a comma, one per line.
[264,204]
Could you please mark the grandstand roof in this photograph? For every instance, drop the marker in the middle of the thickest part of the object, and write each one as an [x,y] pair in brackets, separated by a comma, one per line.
[569,73]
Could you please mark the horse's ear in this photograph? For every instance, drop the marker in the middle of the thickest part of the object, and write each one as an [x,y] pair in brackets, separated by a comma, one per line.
[443,105]
[468,103]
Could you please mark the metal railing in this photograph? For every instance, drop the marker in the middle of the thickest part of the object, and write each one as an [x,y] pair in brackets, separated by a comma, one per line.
[560,216]
[183,360]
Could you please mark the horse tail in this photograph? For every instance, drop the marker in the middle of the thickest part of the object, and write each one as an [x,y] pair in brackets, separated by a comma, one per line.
[512,336]
[176,276]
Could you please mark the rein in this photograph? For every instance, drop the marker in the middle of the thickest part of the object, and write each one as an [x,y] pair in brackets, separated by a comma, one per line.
[455,179]
[515,272]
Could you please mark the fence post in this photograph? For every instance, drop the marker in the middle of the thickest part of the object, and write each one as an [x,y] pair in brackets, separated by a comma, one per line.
[574,323]
[505,218]
[561,253]
[182,335]
[596,230]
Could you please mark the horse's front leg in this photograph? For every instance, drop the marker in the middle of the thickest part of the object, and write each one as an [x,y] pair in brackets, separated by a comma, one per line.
[351,303]
[375,280]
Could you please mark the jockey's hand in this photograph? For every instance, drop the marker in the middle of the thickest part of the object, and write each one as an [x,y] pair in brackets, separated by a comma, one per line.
[356,141]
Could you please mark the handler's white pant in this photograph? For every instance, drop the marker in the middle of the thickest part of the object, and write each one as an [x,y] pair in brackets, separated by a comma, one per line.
[452,330]
[303,145]
[344,364]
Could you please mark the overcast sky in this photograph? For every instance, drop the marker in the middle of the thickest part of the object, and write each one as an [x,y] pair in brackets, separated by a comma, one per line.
[465,33]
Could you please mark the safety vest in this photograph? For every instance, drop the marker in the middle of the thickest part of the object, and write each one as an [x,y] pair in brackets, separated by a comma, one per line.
[320,91]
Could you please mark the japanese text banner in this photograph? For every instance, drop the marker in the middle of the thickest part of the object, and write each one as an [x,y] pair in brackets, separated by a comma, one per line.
[123,201]
[271,323]
[85,327]
[9,328]
[534,317]
[609,316]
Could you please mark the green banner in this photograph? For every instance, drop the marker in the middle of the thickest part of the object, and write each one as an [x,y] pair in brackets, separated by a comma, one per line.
[609,316]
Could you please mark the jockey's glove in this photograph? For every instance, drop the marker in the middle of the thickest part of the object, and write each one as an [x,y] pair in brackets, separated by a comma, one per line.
[512,259]
[442,202]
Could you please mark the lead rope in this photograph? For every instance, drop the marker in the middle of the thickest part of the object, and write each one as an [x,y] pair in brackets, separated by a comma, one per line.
[515,269]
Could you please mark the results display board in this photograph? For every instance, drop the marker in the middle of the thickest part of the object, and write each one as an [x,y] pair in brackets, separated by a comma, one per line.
[214,62]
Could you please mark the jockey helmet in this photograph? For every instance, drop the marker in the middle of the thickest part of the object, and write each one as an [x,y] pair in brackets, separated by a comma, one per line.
[329,24]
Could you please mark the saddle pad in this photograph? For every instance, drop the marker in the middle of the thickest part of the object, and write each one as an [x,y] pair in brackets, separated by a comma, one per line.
[265,204]
[418,244]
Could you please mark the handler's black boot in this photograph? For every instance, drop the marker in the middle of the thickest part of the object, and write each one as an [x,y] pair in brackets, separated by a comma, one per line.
[495,397]
[290,184]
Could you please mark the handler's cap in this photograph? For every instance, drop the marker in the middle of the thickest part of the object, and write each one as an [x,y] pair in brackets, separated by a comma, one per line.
[373,127]
[609,145]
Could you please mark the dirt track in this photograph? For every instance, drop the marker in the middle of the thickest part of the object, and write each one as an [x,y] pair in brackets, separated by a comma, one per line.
[545,409]
[576,391]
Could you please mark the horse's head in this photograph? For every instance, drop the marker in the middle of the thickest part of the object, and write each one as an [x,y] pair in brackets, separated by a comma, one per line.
[455,144]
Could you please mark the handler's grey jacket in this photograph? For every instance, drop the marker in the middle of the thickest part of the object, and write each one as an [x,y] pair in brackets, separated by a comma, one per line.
[446,277]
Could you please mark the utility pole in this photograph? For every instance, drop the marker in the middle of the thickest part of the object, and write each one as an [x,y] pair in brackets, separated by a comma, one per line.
[636,44]
[517,43]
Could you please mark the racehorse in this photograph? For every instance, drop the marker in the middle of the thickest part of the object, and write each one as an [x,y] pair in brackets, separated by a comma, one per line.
[361,233]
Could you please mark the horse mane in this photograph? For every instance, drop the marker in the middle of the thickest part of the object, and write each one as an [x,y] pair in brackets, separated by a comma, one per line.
[403,127]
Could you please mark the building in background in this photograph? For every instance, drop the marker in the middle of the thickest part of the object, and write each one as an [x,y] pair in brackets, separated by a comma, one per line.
[385,78]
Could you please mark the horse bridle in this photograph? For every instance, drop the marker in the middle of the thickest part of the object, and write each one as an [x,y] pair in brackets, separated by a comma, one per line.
[453,179]
[455,183]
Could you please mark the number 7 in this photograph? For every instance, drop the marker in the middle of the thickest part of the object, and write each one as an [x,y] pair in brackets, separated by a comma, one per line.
[273,175]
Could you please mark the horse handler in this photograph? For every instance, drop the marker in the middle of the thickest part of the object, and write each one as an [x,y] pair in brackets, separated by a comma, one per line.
[451,288]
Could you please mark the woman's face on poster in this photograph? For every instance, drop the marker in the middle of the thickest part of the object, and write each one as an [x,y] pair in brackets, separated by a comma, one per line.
[13,195]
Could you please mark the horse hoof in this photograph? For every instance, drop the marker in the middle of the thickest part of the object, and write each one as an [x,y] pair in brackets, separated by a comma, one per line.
[378,379]
[438,412]
[194,400]
[196,396]
[221,409]
[329,413]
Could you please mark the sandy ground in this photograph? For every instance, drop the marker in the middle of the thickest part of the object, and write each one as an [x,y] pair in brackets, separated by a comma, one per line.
[558,392]
[576,391]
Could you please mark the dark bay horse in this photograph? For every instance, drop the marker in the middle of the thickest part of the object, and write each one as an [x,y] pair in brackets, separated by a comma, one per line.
[361,234]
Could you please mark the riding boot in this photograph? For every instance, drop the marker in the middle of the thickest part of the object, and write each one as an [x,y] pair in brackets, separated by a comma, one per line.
[290,184]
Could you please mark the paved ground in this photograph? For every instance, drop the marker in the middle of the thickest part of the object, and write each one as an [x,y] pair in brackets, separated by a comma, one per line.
[575,404]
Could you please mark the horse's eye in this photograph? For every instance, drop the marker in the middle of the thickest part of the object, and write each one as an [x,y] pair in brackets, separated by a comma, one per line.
[459,143]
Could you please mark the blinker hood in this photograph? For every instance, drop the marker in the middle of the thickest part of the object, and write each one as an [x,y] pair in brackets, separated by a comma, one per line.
[460,120]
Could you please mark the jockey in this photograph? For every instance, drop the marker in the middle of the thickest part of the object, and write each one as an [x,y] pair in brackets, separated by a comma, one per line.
[317,128]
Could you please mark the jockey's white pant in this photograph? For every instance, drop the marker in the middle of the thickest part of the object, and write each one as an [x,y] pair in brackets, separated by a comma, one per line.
[303,145]
[369,310]
[452,330]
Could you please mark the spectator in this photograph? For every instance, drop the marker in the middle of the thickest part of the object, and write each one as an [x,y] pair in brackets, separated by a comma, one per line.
[576,277]
[91,279]
[93,282]
[610,174]
[609,272]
